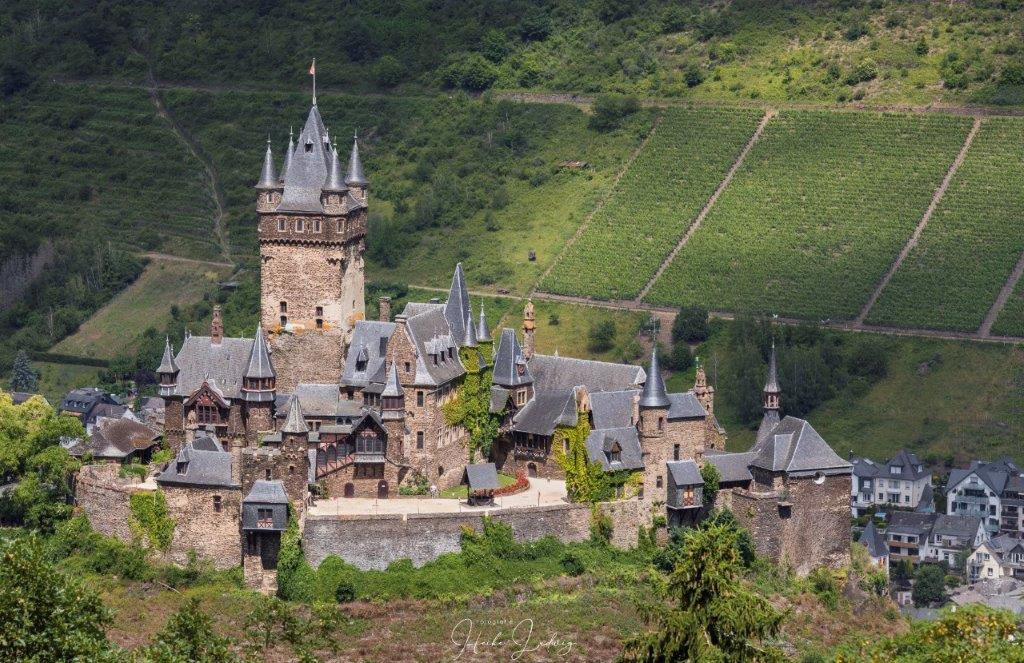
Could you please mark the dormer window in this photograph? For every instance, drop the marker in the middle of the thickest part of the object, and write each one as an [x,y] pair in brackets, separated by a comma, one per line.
[896,470]
[360,364]
[451,353]
[181,468]
[309,146]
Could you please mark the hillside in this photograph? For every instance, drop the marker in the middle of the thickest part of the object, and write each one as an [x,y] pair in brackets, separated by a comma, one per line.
[826,51]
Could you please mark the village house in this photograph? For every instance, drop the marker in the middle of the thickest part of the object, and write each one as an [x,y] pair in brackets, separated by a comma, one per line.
[992,491]
[996,558]
[932,537]
[874,542]
[902,483]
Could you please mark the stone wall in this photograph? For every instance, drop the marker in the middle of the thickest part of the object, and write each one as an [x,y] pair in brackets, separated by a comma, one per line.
[104,498]
[214,535]
[424,537]
[18,272]
[812,531]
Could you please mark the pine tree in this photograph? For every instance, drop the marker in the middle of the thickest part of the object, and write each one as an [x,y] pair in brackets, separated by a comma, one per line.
[23,376]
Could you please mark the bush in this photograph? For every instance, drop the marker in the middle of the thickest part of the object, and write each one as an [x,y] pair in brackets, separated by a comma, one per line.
[929,585]
[388,71]
[133,470]
[865,71]
[345,592]
[690,325]
[601,337]
[680,359]
[572,564]
[609,110]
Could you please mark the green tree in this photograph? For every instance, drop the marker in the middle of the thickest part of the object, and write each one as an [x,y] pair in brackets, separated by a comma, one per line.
[388,71]
[23,376]
[609,110]
[929,585]
[714,618]
[744,373]
[188,636]
[601,337]
[46,615]
[690,325]
[711,477]
[494,46]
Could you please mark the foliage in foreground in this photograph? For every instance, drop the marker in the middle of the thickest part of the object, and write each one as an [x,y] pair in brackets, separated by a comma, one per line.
[714,618]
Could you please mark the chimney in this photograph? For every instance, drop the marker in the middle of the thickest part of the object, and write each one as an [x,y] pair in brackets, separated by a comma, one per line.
[529,329]
[384,305]
[216,327]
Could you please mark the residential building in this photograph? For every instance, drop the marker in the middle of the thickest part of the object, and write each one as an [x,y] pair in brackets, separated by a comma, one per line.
[932,537]
[999,557]
[874,541]
[902,482]
[991,491]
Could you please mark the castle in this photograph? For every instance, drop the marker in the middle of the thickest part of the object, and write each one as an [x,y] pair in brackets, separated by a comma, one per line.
[322,401]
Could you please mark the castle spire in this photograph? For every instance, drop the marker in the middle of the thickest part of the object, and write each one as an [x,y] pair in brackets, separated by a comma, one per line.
[268,177]
[167,364]
[469,340]
[483,332]
[654,394]
[295,424]
[456,309]
[772,393]
[288,154]
[354,177]
[334,182]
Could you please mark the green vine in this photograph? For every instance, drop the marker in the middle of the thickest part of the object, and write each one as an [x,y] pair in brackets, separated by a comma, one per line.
[150,519]
[584,480]
[471,406]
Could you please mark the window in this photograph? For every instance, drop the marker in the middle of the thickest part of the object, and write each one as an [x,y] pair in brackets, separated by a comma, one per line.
[374,471]
[661,423]
[208,414]
[440,470]
[407,367]
[520,397]
[614,456]
[216,503]
[268,474]
[291,469]
[419,439]
[283,307]
[284,320]
[265,515]
[906,499]
[658,483]
[281,225]
[351,393]
[895,470]
[309,146]
[300,225]
[419,399]
[675,452]
[369,444]
[316,226]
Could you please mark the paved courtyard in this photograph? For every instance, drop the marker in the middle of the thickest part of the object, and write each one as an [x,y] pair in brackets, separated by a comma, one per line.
[540,493]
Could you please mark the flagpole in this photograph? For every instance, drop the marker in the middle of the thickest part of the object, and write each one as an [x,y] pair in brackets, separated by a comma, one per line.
[314,81]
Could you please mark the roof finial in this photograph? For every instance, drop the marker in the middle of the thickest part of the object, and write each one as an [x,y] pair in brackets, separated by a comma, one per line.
[355,176]
[268,178]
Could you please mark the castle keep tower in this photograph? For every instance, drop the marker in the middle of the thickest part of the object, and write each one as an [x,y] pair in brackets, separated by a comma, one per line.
[312,231]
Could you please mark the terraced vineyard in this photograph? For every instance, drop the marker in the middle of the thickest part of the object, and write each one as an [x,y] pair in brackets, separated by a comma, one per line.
[816,214]
[972,242]
[83,159]
[654,203]
[1011,320]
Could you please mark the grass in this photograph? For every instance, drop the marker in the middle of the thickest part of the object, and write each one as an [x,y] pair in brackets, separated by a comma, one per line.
[973,240]
[86,159]
[56,380]
[654,203]
[816,214]
[460,492]
[115,329]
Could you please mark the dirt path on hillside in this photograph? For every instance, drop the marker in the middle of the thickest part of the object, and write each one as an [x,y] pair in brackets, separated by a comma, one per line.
[985,331]
[197,151]
[195,261]
[769,114]
[916,235]
[600,203]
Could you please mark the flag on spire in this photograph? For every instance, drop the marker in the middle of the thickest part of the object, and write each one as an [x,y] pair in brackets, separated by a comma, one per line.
[312,72]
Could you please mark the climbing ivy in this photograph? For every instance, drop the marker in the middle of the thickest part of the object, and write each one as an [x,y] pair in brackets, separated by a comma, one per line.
[584,480]
[471,406]
[150,519]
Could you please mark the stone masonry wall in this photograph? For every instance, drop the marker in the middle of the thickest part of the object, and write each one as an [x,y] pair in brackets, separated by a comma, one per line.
[213,535]
[425,537]
[104,497]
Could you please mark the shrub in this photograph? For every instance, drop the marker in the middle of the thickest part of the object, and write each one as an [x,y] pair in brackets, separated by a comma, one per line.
[149,518]
[693,75]
[601,526]
[865,70]
[921,48]
[134,470]
[929,585]
[680,359]
[601,336]
[476,73]
[690,325]
[345,592]
[388,71]
[572,564]
[609,110]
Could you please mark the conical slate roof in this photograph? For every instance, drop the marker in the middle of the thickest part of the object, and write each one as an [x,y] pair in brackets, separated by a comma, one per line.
[393,387]
[510,367]
[335,182]
[654,394]
[772,385]
[483,332]
[287,157]
[354,176]
[268,177]
[873,540]
[259,360]
[295,424]
[167,364]
[456,309]
[469,340]
[307,170]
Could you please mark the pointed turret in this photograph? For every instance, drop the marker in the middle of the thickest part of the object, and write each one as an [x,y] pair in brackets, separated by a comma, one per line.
[259,360]
[268,177]
[469,340]
[772,384]
[654,394]
[393,388]
[288,155]
[354,177]
[168,370]
[335,181]
[483,332]
[456,309]
[772,401]
[295,424]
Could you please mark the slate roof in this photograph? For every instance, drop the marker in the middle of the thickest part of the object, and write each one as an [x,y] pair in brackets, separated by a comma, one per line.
[335,180]
[911,468]
[268,176]
[457,310]
[354,176]
[295,423]
[866,468]
[927,502]
[320,401]
[393,387]
[772,384]
[483,332]
[1005,543]
[654,394]
[307,170]
[287,157]
[431,334]
[794,447]
[116,438]
[19,397]
[995,475]
[481,476]
[369,339]
[267,492]
[684,473]
[685,406]
[553,372]
[959,526]
[507,362]
[260,365]
[733,467]
[499,397]
[83,399]
[223,364]
[908,522]
[546,410]
[873,540]
[167,364]
[207,442]
[613,409]
[630,458]
[201,468]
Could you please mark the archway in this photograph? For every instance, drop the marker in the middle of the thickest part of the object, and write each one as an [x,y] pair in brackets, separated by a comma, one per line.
[382,490]
[531,470]
[350,490]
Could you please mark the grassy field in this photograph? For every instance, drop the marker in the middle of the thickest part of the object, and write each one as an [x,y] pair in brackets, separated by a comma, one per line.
[55,380]
[654,203]
[973,240]
[86,159]
[116,328]
[818,211]
[451,179]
